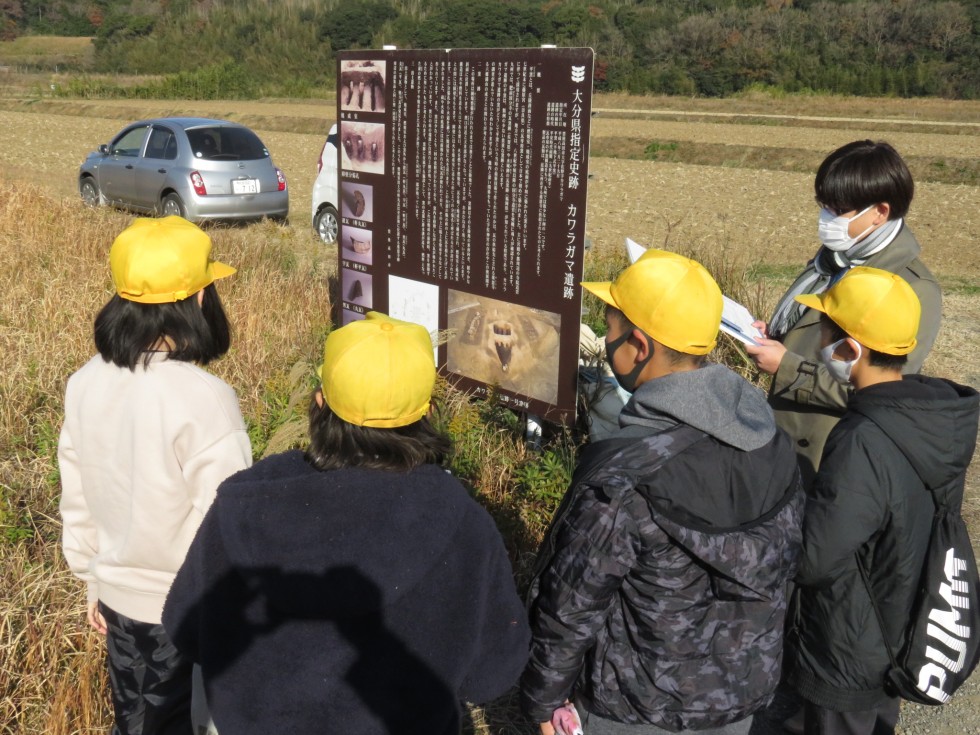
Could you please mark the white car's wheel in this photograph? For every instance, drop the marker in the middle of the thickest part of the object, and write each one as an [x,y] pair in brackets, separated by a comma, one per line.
[327,224]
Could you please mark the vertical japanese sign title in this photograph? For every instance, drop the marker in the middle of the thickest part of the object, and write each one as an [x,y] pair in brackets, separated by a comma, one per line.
[463,199]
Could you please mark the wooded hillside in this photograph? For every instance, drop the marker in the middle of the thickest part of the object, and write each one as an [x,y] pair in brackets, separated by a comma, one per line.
[902,48]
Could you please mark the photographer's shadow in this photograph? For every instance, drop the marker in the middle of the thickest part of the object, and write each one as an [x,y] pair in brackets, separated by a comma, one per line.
[307,625]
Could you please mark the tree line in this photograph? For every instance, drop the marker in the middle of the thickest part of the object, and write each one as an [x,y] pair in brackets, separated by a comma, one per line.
[903,48]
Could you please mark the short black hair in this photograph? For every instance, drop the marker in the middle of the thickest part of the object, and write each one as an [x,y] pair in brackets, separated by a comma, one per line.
[674,357]
[875,359]
[336,444]
[861,174]
[125,331]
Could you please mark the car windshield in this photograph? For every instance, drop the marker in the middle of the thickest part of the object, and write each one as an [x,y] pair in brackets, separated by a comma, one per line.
[226,144]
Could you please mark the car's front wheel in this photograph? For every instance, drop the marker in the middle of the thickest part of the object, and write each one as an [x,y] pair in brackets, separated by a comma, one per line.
[90,192]
[172,204]
[327,224]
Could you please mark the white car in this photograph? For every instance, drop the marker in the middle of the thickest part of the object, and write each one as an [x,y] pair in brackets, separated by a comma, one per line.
[326,220]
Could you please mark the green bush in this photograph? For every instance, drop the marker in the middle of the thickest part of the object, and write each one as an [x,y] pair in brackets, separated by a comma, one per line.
[653,150]
[483,24]
[708,48]
[354,25]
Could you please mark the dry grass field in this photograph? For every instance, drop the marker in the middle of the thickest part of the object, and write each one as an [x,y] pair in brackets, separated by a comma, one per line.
[756,216]
[50,51]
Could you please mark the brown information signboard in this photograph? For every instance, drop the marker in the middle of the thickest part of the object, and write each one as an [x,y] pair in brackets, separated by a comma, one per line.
[463,189]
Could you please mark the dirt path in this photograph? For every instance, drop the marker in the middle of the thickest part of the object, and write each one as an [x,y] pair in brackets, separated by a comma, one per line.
[762,116]
[824,139]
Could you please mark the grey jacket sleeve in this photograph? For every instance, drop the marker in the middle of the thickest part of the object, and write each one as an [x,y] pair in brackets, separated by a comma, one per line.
[931,301]
[595,548]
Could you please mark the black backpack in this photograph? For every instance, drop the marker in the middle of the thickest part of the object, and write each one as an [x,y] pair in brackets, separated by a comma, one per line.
[942,641]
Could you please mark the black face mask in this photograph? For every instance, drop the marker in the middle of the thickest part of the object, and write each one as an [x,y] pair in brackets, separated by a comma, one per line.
[626,381]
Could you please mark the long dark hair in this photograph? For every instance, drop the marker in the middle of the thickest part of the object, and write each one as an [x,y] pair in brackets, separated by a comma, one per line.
[125,330]
[336,444]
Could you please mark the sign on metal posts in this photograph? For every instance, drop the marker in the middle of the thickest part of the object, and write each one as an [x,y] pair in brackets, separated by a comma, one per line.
[463,189]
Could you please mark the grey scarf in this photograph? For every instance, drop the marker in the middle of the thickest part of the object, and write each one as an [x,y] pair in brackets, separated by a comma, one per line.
[826,268]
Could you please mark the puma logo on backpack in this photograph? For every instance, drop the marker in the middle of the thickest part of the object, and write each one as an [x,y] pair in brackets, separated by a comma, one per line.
[942,645]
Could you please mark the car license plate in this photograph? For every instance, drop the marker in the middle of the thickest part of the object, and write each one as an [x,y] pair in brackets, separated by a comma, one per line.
[245,186]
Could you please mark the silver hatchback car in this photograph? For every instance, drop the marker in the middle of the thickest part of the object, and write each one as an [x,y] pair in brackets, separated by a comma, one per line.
[194,167]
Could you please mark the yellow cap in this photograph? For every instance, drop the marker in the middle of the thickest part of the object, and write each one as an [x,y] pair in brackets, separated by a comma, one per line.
[877,308]
[672,298]
[378,372]
[159,261]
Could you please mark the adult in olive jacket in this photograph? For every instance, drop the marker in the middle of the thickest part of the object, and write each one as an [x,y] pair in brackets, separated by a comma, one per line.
[864,190]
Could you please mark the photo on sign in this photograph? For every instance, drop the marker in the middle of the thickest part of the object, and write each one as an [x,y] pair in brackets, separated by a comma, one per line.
[362,147]
[504,344]
[356,287]
[362,85]
[355,244]
[357,201]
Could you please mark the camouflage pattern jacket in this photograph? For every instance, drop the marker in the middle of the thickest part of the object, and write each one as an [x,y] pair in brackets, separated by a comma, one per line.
[661,590]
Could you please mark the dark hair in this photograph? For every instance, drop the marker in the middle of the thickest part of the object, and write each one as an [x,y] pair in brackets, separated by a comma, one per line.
[875,359]
[335,443]
[126,330]
[861,174]
[674,357]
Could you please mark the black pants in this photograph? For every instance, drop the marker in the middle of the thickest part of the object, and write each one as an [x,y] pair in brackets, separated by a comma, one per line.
[880,720]
[150,679]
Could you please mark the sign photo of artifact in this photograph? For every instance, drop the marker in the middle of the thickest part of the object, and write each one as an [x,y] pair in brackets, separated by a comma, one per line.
[362,85]
[357,288]
[504,344]
[362,147]
[356,201]
[355,244]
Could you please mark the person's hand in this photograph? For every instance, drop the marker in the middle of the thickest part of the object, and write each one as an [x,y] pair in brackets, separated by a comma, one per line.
[95,618]
[547,729]
[766,355]
[762,327]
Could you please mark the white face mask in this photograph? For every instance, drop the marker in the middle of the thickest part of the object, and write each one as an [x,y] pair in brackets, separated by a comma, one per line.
[832,230]
[840,370]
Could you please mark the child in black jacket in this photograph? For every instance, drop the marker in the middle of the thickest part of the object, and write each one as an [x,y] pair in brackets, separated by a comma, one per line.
[870,507]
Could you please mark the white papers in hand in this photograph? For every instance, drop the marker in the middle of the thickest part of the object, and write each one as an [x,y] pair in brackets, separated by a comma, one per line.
[736,320]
